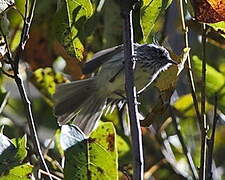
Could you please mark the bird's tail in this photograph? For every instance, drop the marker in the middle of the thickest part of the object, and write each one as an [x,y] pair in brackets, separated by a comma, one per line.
[79,101]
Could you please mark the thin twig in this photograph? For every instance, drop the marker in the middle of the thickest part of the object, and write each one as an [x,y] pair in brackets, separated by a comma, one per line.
[211,142]
[191,79]
[203,158]
[14,62]
[184,147]
[126,11]
[31,122]
[5,73]
[52,175]
[189,72]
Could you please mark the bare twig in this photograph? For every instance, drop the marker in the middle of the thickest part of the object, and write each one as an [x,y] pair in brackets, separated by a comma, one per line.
[194,97]
[5,73]
[14,62]
[211,142]
[203,161]
[52,175]
[154,168]
[184,147]
[126,11]
[189,72]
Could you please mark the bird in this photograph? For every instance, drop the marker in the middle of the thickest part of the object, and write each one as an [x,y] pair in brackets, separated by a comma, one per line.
[83,101]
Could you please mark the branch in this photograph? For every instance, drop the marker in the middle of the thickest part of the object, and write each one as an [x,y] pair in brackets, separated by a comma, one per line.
[189,72]
[200,116]
[126,12]
[14,62]
[203,158]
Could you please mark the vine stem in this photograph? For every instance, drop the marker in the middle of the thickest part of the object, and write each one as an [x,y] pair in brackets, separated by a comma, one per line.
[126,12]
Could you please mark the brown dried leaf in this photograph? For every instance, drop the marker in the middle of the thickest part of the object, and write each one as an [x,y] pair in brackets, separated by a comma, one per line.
[38,53]
[72,64]
[209,11]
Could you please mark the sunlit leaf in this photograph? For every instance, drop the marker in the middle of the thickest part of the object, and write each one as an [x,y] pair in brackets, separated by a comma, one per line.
[57,142]
[93,158]
[219,27]
[124,150]
[215,81]
[150,11]
[185,105]
[45,80]
[20,172]
[12,152]
[209,11]
[21,145]
[69,25]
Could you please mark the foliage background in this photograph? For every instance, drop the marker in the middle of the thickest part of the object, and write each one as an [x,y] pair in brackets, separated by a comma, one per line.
[64,35]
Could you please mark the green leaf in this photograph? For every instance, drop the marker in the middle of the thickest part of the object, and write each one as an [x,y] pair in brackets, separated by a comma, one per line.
[69,25]
[12,152]
[185,105]
[45,80]
[93,158]
[21,145]
[150,11]
[57,143]
[219,27]
[124,150]
[20,172]
[215,82]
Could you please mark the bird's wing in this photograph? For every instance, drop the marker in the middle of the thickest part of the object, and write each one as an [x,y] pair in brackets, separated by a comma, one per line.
[100,58]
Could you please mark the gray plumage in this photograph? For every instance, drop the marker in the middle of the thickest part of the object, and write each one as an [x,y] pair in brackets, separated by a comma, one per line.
[83,101]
